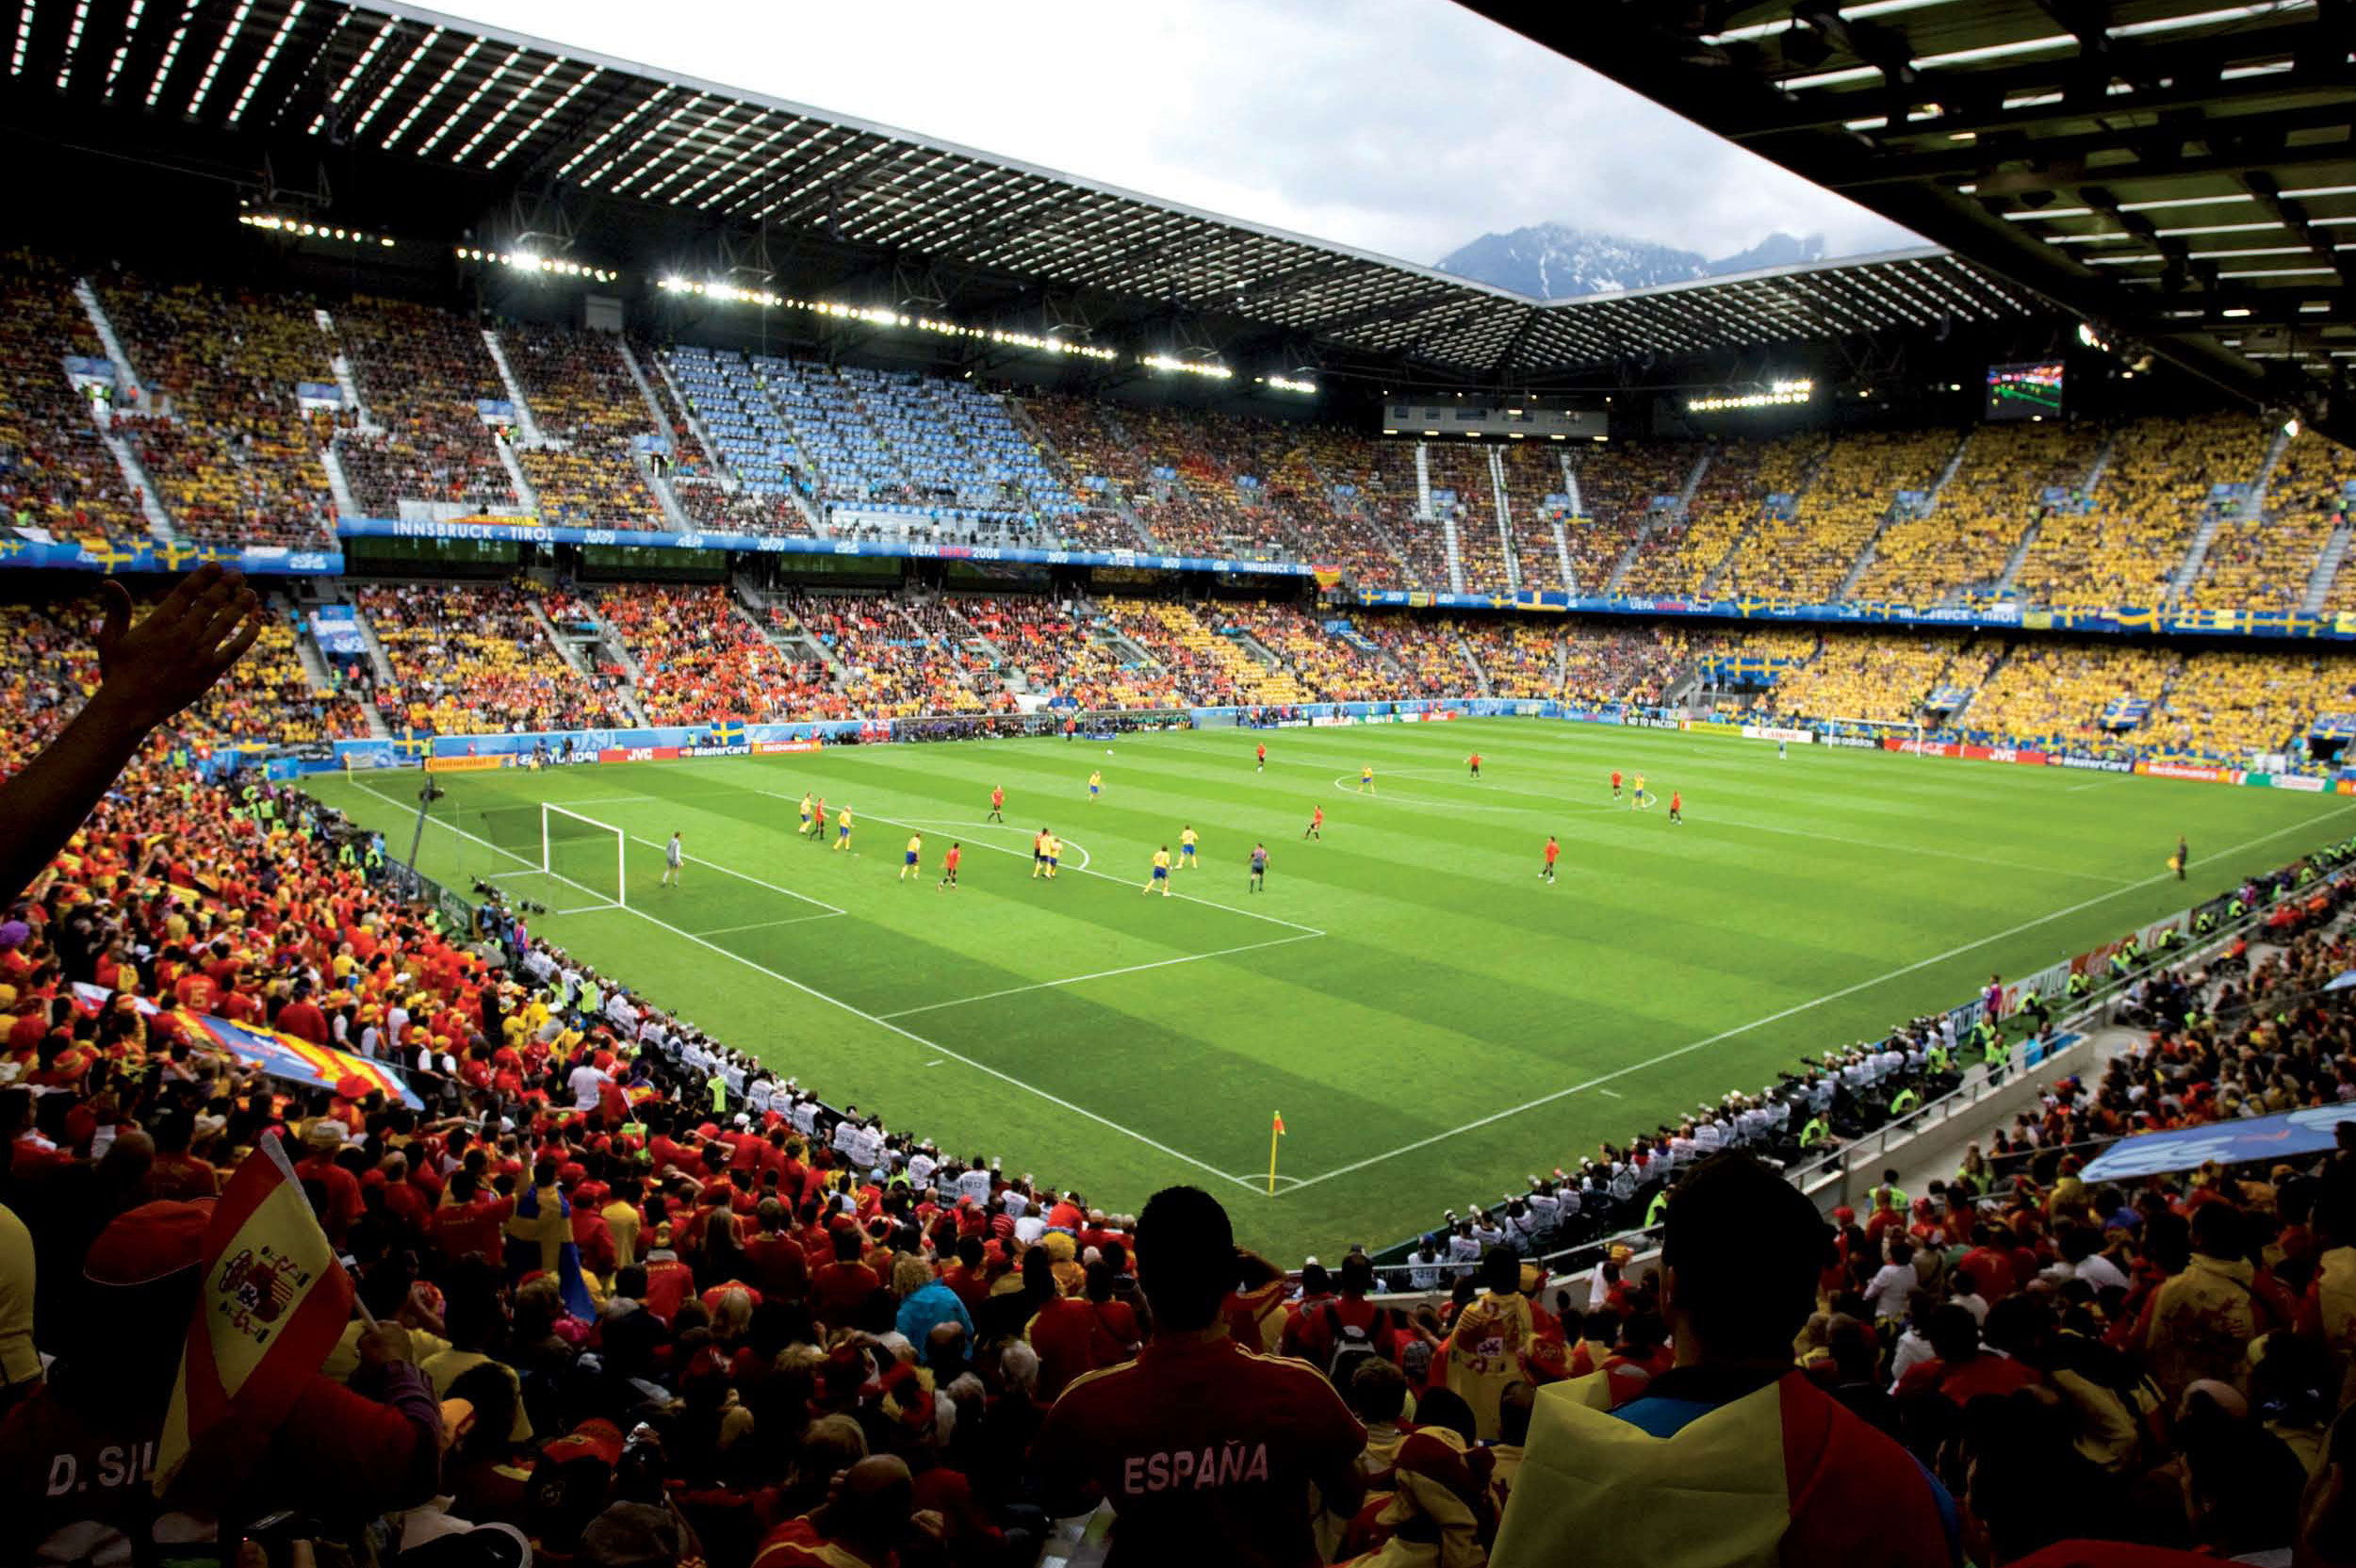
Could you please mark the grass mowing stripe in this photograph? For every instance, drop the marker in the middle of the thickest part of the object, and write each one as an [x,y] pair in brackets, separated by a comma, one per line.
[1687,1050]
[1105,973]
[909,1035]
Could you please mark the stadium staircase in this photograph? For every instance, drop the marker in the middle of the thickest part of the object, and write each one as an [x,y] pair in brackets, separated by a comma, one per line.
[1505,520]
[2257,504]
[526,426]
[2327,571]
[524,493]
[340,363]
[1654,521]
[338,484]
[1423,482]
[1864,561]
[1259,675]
[134,474]
[798,646]
[1481,677]
[377,661]
[729,483]
[2188,571]
[1799,493]
[126,378]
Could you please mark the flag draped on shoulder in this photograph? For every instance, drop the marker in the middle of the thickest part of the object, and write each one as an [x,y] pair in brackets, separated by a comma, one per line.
[271,1305]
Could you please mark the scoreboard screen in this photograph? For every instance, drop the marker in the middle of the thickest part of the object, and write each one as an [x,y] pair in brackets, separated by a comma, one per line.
[2024,391]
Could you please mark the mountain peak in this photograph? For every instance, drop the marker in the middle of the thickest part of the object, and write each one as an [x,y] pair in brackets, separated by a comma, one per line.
[1558,261]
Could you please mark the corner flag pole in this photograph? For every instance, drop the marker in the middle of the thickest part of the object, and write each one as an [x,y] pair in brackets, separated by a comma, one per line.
[1275,1132]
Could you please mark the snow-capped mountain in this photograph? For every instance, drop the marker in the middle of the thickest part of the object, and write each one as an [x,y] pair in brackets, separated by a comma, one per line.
[1554,261]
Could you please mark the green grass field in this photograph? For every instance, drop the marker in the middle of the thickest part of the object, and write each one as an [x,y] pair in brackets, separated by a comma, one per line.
[1432,1022]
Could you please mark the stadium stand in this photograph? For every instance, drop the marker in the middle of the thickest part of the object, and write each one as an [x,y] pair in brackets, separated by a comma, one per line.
[1461,468]
[230,452]
[423,375]
[1098,471]
[1881,678]
[2057,694]
[705,660]
[583,397]
[55,471]
[894,665]
[1807,555]
[1729,501]
[1964,543]
[2265,562]
[2231,705]
[472,660]
[2125,548]
[1617,483]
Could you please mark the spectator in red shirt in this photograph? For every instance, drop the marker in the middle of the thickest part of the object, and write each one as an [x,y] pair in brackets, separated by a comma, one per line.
[1990,1263]
[838,1289]
[773,1258]
[1963,1369]
[1205,1450]
[177,1174]
[1349,1319]
[341,1205]
[301,1017]
[471,1223]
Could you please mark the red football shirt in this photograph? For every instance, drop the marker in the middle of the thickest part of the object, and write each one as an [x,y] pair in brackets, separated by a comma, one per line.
[1205,1450]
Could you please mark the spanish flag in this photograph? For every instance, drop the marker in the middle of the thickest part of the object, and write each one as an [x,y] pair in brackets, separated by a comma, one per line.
[1782,1474]
[272,1303]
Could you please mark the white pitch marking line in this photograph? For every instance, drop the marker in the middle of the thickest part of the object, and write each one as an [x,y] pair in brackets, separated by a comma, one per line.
[1613,1093]
[1598,1083]
[764,924]
[1024,854]
[991,827]
[812,991]
[1102,974]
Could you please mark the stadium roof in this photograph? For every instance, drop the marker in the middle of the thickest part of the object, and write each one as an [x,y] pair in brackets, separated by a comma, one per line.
[479,108]
[2182,172]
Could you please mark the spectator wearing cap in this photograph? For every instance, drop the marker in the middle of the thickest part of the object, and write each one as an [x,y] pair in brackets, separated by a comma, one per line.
[1201,1446]
[1732,1455]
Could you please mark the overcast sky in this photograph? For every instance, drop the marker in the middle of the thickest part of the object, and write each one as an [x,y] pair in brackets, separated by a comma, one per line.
[1404,126]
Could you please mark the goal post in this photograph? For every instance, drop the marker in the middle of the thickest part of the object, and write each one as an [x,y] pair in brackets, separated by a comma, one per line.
[584,854]
[1908,731]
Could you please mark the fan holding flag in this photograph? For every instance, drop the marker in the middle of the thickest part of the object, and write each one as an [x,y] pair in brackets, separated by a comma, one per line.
[249,1423]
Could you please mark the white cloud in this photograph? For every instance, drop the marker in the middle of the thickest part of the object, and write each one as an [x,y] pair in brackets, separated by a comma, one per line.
[1401,127]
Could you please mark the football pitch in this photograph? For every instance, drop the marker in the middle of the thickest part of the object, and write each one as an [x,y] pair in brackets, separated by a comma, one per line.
[1433,1021]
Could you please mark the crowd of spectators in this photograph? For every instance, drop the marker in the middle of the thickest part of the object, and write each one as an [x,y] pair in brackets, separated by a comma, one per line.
[55,474]
[2264,563]
[1806,555]
[1881,677]
[1619,482]
[702,660]
[423,375]
[1731,497]
[2057,694]
[225,439]
[626,1296]
[1999,487]
[2229,705]
[472,659]
[581,396]
[1463,489]
[2124,549]
[900,658]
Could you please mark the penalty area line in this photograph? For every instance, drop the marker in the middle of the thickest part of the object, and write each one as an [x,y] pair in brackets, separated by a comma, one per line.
[1102,974]
[909,1035]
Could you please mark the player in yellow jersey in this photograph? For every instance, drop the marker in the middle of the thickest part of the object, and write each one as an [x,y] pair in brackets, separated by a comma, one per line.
[1365,781]
[842,829]
[1185,847]
[1039,855]
[1161,872]
[1055,855]
[1096,784]
[1637,799]
[908,862]
[806,811]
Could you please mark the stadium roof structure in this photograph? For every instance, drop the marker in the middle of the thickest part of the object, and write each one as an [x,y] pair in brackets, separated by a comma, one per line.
[496,117]
[2180,173]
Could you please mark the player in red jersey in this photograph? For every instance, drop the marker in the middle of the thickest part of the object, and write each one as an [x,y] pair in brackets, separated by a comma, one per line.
[1554,853]
[1474,762]
[1317,822]
[949,867]
[1616,783]
[997,803]
[1260,756]
[1677,805]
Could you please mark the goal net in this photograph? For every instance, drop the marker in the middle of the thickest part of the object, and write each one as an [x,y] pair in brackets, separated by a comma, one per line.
[571,862]
[1877,730]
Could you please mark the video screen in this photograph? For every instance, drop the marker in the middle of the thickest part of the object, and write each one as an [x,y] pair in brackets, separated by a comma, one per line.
[2024,391]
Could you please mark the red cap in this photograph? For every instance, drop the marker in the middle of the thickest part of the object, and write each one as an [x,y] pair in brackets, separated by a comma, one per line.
[597,1439]
[148,1243]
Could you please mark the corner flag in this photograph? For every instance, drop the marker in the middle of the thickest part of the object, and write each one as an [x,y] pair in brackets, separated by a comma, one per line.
[271,1305]
[1274,1133]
